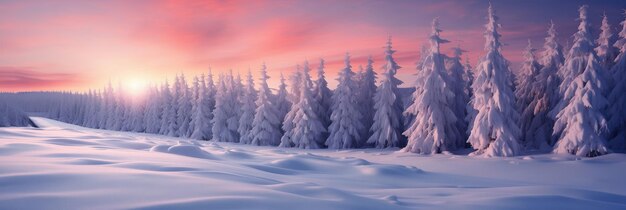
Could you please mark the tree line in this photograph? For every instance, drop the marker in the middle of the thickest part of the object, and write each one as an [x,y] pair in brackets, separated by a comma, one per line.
[568,101]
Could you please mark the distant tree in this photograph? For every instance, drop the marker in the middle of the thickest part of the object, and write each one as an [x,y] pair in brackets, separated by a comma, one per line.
[247,110]
[322,94]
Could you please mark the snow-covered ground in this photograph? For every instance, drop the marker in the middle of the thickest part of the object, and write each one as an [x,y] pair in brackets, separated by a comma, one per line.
[62,166]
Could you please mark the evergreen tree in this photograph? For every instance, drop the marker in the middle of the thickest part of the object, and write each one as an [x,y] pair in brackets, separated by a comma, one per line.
[345,117]
[536,123]
[322,94]
[617,97]
[308,130]
[266,124]
[458,81]
[387,126]
[282,104]
[202,114]
[247,111]
[365,97]
[294,97]
[494,130]
[184,108]
[168,122]
[581,120]
[605,50]
[226,119]
[525,94]
[575,63]
[434,128]
[154,111]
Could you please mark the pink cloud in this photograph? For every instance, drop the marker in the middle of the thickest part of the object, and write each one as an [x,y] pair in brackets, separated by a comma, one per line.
[25,78]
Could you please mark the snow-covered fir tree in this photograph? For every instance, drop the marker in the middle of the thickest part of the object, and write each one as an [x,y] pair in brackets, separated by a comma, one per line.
[168,120]
[308,130]
[247,110]
[494,130]
[294,98]
[183,111]
[387,126]
[458,81]
[322,94]
[346,124]
[527,74]
[154,110]
[605,48]
[581,120]
[525,94]
[366,90]
[536,123]
[266,129]
[282,103]
[203,113]
[434,128]
[575,63]
[617,97]
[225,115]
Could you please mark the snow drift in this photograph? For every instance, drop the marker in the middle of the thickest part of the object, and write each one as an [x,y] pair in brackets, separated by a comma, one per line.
[63,166]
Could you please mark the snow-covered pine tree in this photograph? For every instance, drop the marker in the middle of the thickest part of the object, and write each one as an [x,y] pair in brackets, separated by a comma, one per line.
[203,114]
[457,80]
[617,97]
[365,97]
[434,129]
[605,50]
[494,131]
[184,108]
[581,120]
[294,97]
[387,126]
[575,63]
[526,95]
[345,118]
[137,115]
[536,123]
[168,120]
[527,75]
[469,78]
[282,104]
[322,94]
[210,103]
[247,110]
[266,124]
[154,110]
[108,113]
[308,131]
[225,117]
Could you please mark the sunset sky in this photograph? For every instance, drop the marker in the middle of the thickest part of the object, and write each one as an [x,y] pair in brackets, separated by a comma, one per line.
[76,44]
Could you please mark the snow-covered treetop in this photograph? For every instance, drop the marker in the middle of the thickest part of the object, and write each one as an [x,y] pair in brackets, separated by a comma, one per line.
[391,64]
[492,36]
[621,43]
[583,42]
[435,40]
[529,53]
[553,52]
[457,52]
